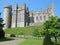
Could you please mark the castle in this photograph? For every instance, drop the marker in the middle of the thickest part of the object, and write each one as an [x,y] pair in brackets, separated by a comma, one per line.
[22,17]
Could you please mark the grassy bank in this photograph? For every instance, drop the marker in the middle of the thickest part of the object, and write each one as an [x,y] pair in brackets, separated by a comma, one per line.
[23,30]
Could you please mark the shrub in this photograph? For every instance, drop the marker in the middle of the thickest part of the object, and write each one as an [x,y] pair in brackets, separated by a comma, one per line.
[12,35]
[2,34]
[36,33]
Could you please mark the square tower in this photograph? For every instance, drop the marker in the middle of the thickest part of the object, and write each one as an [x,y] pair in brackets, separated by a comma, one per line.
[20,16]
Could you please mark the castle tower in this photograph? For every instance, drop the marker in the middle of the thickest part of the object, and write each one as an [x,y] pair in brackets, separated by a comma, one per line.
[21,18]
[52,7]
[7,16]
[16,13]
[14,16]
[25,14]
[50,10]
[27,20]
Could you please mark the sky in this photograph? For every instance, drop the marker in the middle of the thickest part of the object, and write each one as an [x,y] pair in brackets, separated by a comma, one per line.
[33,5]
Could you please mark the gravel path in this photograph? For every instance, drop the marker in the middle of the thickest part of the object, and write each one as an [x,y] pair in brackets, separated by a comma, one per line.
[12,42]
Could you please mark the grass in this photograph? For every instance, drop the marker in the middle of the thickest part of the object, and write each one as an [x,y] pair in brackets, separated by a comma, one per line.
[32,41]
[22,30]
[27,31]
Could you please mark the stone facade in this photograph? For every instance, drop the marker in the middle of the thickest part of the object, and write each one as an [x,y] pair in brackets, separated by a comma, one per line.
[22,17]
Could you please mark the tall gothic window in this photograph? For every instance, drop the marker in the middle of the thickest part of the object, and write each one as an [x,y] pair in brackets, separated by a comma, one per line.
[36,17]
[44,17]
[40,17]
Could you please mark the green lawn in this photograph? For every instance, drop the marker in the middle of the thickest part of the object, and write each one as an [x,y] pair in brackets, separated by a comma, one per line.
[22,30]
[32,42]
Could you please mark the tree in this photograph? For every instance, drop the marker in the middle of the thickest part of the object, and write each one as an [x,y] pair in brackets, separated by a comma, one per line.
[2,33]
[57,25]
[54,33]
[53,23]
[47,39]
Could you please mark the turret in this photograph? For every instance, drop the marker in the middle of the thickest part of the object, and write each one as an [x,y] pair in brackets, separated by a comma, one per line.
[16,13]
[23,6]
[52,7]
[50,10]
[7,16]
[15,7]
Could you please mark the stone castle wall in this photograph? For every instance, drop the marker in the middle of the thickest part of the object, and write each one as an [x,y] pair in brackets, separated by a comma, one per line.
[22,17]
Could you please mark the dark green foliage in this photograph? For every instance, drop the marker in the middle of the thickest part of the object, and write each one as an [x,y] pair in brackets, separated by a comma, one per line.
[12,35]
[54,34]
[57,44]
[57,24]
[47,39]
[6,39]
[48,25]
[2,33]
[42,32]
[58,34]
